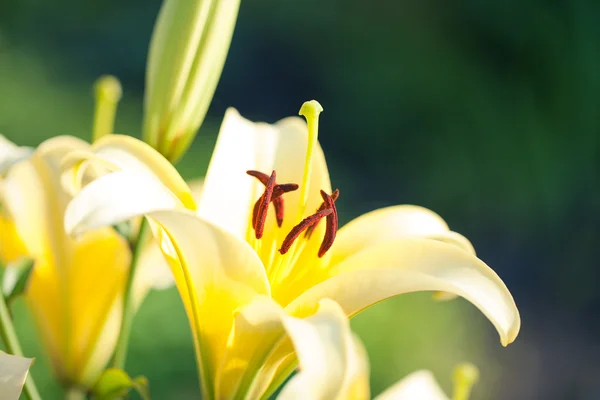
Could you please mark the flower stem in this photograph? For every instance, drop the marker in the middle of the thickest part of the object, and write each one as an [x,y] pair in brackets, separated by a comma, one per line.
[11,342]
[128,300]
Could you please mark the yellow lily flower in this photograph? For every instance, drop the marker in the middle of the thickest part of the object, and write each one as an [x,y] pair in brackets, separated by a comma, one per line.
[230,255]
[76,287]
[333,364]
[13,373]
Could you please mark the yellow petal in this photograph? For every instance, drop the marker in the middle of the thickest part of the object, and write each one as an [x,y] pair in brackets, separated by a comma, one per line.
[130,154]
[412,265]
[154,269]
[117,197]
[418,385]
[197,187]
[13,372]
[10,154]
[332,361]
[75,283]
[387,224]
[229,194]
[97,275]
[257,329]
[11,245]
[216,274]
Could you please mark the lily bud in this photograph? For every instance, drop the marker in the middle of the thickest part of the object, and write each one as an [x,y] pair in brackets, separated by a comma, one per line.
[107,93]
[188,49]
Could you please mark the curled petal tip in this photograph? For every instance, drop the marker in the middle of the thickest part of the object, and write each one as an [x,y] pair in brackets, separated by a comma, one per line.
[512,334]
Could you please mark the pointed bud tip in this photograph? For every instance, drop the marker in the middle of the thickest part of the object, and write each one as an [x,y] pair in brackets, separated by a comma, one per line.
[108,87]
[310,108]
[466,374]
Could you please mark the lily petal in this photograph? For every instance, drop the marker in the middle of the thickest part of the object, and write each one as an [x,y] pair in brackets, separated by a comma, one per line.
[13,373]
[412,265]
[99,268]
[117,197]
[392,223]
[257,328]
[332,361]
[73,289]
[10,154]
[229,194]
[418,385]
[216,275]
[129,154]
[197,187]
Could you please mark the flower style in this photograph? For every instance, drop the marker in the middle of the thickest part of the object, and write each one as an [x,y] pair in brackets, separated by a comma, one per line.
[76,287]
[244,259]
[333,364]
[13,373]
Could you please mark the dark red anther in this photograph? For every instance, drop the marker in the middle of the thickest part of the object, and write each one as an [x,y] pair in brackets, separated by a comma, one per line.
[334,196]
[332,224]
[304,224]
[259,213]
[328,210]
[263,206]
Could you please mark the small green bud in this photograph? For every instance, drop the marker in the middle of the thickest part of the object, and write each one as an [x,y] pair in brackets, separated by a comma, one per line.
[108,92]
[115,384]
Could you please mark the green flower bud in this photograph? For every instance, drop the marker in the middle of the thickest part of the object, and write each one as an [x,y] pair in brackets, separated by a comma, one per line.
[107,93]
[187,52]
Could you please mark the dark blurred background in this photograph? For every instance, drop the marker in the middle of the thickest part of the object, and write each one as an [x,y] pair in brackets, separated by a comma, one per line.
[486,112]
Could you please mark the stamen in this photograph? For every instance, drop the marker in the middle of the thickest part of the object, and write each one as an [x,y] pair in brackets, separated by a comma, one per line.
[259,213]
[278,199]
[261,176]
[332,224]
[328,210]
[263,206]
[304,224]
[310,230]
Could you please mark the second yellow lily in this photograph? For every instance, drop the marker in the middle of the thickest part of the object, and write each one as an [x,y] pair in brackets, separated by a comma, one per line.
[266,244]
[76,288]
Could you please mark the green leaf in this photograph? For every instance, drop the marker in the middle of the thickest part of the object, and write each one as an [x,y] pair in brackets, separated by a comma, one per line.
[115,384]
[15,278]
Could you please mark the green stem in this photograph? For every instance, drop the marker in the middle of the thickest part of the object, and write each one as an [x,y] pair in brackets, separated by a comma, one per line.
[128,301]
[11,342]
[75,393]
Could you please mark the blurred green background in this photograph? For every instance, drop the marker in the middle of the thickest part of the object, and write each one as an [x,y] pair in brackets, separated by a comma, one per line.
[486,112]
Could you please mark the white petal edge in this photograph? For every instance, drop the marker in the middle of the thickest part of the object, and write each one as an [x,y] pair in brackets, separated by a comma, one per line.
[387,224]
[13,373]
[322,343]
[11,154]
[420,385]
[115,198]
[414,265]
